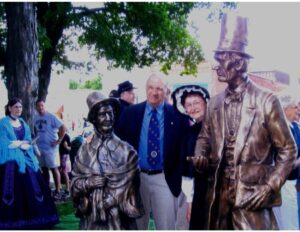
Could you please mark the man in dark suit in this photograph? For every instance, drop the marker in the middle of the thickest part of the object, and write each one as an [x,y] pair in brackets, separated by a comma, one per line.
[161,178]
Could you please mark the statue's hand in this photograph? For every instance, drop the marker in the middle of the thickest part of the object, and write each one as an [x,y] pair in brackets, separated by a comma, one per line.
[109,201]
[199,161]
[94,182]
[260,195]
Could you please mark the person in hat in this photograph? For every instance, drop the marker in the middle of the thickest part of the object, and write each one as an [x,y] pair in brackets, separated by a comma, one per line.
[155,130]
[114,93]
[191,101]
[105,173]
[245,145]
[126,94]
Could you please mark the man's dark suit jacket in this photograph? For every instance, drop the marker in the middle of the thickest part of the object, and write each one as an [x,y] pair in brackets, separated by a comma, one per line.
[295,173]
[129,126]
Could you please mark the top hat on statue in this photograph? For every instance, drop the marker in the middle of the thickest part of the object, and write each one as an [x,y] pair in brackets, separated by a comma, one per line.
[234,35]
[95,99]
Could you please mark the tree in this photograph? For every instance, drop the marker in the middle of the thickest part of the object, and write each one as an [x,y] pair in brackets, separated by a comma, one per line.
[21,65]
[125,33]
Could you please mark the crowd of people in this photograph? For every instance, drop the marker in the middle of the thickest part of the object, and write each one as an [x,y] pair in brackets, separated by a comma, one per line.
[199,163]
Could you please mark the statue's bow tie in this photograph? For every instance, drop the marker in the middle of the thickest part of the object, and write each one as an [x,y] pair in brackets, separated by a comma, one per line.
[231,97]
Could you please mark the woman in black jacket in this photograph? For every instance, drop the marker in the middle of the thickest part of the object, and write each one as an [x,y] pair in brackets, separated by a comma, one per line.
[191,101]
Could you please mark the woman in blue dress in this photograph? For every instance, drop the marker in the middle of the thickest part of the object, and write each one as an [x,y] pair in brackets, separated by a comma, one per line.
[25,200]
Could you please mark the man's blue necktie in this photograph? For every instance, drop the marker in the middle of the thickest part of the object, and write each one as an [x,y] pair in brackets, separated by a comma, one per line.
[153,140]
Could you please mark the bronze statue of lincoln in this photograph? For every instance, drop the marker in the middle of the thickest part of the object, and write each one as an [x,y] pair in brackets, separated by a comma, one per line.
[245,144]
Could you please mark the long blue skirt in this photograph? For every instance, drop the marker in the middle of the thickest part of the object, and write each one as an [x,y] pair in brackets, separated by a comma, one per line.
[25,200]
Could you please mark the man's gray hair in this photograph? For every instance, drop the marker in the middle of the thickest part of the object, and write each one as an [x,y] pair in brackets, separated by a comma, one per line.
[287,99]
[157,76]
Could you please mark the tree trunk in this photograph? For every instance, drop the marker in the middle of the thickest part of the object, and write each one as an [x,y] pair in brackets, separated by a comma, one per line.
[44,73]
[54,27]
[21,64]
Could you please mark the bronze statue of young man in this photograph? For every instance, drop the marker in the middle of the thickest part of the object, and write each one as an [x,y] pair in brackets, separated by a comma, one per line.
[245,144]
[105,174]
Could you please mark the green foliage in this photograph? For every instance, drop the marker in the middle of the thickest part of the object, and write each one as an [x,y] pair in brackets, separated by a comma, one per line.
[94,84]
[124,33]
[142,33]
[73,84]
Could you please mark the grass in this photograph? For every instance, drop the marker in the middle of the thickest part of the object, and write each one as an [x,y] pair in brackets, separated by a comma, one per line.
[151,225]
[68,221]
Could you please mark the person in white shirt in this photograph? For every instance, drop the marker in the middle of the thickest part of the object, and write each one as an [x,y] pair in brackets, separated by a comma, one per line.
[287,214]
